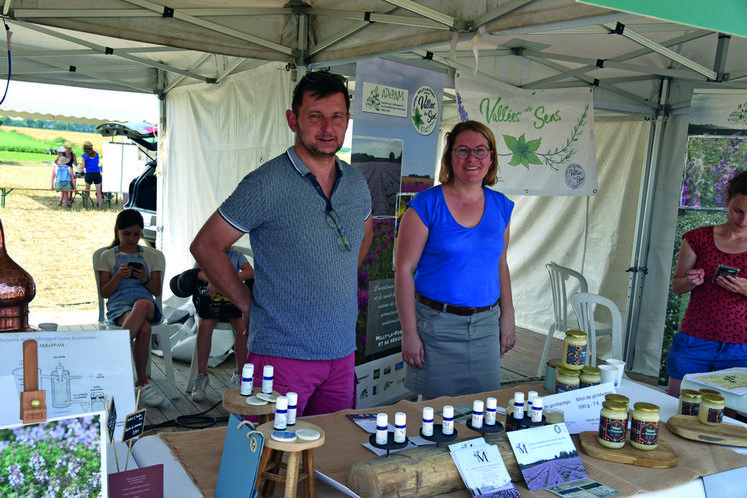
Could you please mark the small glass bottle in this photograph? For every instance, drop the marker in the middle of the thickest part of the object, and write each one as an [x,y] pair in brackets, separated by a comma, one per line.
[518,413]
[382,429]
[689,402]
[566,380]
[589,376]
[613,424]
[491,404]
[447,422]
[478,414]
[247,379]
[400,427]
[292,408]
[711,409]
[536,415]
[574,350]
[644,426]
[267,373]
[427,427]
[281,413]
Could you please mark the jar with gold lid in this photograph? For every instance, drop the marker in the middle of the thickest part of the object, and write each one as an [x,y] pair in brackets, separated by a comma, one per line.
[689,402]
[617,398]
[566,380]
[589,376]
[613,424]
[711,409]
[644,426]
[574,350]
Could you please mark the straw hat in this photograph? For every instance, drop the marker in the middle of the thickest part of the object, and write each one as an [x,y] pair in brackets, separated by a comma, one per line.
[87,144]
[68,144]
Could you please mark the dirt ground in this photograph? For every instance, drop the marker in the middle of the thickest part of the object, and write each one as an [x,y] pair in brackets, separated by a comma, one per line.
[52,243]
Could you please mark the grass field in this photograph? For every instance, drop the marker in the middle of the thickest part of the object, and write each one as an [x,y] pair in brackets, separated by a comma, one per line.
[52,243]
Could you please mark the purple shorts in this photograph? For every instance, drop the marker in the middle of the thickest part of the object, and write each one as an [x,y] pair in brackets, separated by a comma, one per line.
[323,386]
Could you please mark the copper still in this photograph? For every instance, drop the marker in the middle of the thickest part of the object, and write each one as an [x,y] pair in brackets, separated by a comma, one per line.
[17,289]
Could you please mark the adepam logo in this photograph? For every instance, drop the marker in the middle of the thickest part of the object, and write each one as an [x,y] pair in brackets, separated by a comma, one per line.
[424,110]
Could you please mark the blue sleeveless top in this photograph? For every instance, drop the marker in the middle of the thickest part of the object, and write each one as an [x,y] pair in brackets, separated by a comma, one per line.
[460,265]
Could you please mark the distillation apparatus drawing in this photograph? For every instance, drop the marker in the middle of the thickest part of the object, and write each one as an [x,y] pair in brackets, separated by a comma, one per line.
[62,395]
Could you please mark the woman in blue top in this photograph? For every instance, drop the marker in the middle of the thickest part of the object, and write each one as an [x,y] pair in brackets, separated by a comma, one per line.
[129,276]
[92,168]
[451,278]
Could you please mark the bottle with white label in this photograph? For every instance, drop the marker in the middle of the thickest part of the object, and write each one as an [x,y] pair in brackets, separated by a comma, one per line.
[400,427]
[491,404]
[427,428]
[477,413]
[518,406]
[247,379]
[530,398]
[447,426]
[267,374]
[382,430]
[292,406]
[536,414]
[281,413]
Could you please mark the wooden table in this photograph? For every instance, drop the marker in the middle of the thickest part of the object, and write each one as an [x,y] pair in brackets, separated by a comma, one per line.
[4,191]
[234,402]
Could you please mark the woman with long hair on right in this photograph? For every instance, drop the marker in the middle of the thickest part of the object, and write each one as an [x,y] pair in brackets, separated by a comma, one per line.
[713,333]
[129,276]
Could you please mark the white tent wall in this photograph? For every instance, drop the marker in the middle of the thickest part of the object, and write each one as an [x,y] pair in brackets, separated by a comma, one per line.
[545,229]
[215,135]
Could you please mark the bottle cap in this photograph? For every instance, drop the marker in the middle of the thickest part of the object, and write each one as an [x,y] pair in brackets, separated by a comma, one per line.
[428,413]
[531,395]
[491,403]
[519,398]
[400,418]
[292,399]
[268,371]
[247,371]
[281,403]
[537,403]
[477,405]
[448,411]
[382,420]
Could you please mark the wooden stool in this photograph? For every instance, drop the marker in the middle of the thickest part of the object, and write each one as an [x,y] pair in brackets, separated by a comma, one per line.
[298,450]
[234,402]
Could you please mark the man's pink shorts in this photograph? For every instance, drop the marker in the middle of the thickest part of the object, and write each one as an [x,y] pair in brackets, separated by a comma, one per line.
[323,386]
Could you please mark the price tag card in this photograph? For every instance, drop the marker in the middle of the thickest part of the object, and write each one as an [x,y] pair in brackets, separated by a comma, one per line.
[134,424]
[581,407]
[145,481]
[546,456]
[111,421]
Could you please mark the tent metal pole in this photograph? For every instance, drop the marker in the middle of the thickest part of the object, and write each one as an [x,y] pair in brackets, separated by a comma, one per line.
[638,267]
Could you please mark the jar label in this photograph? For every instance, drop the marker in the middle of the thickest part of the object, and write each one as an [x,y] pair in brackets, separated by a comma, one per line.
[562,387]
[690,408]
[612,429]
[588,383]
[575,355]
[644,433]
[715,415]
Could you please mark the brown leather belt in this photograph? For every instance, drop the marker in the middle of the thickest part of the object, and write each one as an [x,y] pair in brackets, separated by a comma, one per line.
[452,308]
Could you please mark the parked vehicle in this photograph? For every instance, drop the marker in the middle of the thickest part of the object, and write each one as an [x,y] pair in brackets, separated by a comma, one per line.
[143,191]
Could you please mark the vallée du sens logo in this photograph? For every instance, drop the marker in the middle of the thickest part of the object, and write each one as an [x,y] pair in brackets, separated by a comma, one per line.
[424,111]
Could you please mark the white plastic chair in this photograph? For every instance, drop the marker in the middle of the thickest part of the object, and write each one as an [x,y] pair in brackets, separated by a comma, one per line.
[584,304]
[161,331]
[558,277]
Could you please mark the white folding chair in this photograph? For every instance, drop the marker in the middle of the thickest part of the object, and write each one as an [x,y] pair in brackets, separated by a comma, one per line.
[584,304]
[558,277]
[161,331]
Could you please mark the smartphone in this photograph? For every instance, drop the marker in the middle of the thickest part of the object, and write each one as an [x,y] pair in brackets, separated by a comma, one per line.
[723,270]
[137,266]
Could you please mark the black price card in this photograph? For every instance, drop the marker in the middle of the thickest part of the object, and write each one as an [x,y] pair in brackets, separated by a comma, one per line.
[134,424]
[111,421]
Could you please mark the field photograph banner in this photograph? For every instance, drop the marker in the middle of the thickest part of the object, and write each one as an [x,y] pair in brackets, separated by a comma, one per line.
[545,138]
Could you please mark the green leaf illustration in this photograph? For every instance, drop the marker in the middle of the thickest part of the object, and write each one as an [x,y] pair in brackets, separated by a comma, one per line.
[523,151]
[417,119]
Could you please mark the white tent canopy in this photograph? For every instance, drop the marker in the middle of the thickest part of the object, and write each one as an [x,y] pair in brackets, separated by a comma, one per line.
[209,63]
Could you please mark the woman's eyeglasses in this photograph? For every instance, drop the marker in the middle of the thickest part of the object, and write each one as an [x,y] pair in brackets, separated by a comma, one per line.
[333,220]
[464,152]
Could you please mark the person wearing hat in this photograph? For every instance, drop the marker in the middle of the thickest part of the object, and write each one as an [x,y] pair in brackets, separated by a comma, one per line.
[92,170]
[68,159]
[63,178]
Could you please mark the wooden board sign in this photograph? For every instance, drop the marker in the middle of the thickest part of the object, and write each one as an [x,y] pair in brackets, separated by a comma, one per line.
[134,424]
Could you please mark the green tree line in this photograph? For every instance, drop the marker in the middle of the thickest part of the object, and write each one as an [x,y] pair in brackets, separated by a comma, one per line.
[47,124]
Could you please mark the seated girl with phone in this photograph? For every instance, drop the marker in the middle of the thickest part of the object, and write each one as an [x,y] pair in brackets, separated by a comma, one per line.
[129,276]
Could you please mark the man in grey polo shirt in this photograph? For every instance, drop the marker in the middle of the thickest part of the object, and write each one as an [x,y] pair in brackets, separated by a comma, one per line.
[308,216]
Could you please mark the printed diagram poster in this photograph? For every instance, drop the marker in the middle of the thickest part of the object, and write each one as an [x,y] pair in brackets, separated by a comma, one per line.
[78,371]
[381,381]
[544,138]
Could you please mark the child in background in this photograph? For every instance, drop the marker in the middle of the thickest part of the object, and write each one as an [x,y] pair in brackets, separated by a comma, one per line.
[63,179]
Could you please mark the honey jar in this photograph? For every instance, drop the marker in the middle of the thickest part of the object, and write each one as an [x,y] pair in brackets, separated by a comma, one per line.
[613,424]
[589,376]
[689,402]
[711,409]
[574,350]
[566,380]
[644,426]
